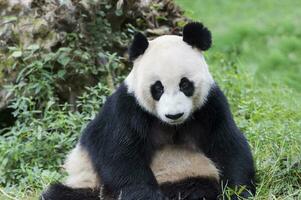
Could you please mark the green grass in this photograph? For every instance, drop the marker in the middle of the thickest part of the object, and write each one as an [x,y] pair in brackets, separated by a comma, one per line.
[264,36]
[256,60]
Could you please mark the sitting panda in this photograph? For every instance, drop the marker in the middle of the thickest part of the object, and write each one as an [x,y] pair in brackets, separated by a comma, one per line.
[166,133]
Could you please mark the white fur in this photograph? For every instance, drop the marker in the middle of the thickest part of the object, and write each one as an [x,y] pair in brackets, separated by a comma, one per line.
[173,104]
[80,170]
[168,59]
[170,164]
[173,164]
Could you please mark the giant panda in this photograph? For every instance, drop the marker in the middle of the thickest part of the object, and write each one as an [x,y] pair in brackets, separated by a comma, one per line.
[166,133]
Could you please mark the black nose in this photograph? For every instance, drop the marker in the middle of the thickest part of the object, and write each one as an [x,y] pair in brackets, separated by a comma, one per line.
[176,116]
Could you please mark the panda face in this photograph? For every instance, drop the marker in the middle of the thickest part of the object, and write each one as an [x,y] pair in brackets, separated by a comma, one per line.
[170,79]
[173,102]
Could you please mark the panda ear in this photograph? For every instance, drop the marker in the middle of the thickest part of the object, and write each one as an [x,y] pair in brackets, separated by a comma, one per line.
[138,46]
[197,35]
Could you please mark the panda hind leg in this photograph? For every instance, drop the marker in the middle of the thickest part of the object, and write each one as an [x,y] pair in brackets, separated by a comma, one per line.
[198,188]
[58,191]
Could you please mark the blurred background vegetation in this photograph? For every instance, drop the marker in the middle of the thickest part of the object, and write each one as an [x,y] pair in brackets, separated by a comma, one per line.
[59,59]
[262,36]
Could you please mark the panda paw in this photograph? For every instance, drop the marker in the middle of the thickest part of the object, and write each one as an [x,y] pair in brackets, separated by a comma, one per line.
[192,189]
[143,193]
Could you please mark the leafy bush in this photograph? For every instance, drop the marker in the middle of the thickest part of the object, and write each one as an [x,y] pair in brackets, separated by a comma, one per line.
[54,94]
[44,124]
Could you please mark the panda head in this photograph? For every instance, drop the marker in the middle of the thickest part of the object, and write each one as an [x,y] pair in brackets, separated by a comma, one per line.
[170,77]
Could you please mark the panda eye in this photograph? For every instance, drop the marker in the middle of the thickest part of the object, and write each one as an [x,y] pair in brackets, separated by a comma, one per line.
[157,90]
[186,87]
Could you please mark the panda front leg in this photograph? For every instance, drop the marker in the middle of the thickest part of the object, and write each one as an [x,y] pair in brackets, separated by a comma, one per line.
[234,158]
[130,179]
[122,163]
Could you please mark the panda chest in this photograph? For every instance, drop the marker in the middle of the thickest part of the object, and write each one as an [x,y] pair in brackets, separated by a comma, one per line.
[164,135]
[177,155]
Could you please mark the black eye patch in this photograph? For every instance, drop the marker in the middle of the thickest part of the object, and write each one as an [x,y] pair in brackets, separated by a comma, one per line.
[157,90]
[186,86]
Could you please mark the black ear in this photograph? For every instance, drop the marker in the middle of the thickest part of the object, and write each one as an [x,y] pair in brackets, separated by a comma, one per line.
[197,35]
[138,46]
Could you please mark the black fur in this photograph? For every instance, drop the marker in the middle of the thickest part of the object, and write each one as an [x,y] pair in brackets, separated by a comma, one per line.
[59,191]
[118,143]
[197,35]
[187,87]
[196,188]
[157,89]
[138,46]
[121,145]
[223,143]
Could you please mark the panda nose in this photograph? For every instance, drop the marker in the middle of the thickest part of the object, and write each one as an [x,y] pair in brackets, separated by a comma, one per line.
[174,117]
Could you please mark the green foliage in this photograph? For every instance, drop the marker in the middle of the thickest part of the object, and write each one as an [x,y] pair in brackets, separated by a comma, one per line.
[272,126]
[44,124]
[55,94]
[265,35]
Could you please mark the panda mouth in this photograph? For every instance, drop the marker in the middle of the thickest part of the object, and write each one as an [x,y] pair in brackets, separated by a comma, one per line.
[173,119]
[175,122]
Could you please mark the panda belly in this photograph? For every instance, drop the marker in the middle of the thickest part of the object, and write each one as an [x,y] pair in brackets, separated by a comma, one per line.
[180,172]
[185,174]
